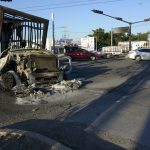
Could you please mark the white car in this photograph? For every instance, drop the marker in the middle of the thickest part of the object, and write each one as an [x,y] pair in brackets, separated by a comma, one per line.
[140,54]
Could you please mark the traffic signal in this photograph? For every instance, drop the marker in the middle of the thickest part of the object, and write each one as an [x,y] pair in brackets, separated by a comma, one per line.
[148,19]
[97,11]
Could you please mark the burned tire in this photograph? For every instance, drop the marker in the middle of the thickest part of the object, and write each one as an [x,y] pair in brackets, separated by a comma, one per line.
[8,80]
[138,58]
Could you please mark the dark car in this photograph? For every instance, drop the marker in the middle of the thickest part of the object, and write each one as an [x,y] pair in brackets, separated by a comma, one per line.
[82,54]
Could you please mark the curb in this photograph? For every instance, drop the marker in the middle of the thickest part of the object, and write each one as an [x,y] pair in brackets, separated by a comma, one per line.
[32,136]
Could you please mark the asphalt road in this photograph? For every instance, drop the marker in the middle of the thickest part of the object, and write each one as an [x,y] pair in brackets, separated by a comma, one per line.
[110,111]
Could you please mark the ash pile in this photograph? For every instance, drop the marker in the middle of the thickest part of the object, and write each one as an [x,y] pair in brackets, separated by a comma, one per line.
[35,94]
[38,91]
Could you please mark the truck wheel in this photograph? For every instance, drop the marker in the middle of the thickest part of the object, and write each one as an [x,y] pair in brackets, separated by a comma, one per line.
[8,80]
[108,55]
[92,58]
[138,58]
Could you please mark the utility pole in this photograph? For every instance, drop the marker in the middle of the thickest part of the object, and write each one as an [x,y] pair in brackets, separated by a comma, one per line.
[130,36]
[111,38]
[120,19]
[53,30]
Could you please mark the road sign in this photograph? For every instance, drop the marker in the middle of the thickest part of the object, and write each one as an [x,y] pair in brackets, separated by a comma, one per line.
[120,30]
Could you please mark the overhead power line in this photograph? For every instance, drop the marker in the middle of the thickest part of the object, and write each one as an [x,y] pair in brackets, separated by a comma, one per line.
[57,4]
[75,5]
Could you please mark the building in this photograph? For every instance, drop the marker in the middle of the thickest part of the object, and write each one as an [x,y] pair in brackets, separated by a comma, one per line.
[134,44]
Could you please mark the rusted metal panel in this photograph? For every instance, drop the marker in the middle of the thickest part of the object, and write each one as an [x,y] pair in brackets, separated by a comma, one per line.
[22,28]
[44,34]
[1,22]
[23,15]
[6,0]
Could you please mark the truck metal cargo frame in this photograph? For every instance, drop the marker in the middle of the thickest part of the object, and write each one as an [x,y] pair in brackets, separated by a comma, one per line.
[20,30]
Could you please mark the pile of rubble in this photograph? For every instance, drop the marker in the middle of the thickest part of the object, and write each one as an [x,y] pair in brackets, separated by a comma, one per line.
[35,94]
[61,87]
[40,90]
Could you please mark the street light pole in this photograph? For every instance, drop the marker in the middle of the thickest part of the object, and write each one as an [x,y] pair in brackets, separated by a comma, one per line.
[120,19]
[53,31]
[111,37]
[130,36]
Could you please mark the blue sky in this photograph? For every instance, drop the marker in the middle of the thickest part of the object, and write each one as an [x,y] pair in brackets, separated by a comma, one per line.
[75,19]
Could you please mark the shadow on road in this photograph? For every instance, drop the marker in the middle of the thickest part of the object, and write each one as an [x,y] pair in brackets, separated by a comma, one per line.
[82,70]
[69,134]
[99,112]
[106,108]
[145,133]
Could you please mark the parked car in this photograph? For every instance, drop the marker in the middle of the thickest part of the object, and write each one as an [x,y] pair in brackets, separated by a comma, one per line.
[140,54]
[82,54]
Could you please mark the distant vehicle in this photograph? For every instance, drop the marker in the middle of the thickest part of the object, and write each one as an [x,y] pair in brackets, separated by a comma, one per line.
[98,51]
[82,54]
[140,54]
[112,51]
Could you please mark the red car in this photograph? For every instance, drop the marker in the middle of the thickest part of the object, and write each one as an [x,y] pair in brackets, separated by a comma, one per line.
[82,54]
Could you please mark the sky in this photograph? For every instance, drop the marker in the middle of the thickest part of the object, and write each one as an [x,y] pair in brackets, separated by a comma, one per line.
[74,18]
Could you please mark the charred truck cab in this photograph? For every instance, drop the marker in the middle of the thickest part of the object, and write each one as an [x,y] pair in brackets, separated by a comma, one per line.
[29,66]
[23,56]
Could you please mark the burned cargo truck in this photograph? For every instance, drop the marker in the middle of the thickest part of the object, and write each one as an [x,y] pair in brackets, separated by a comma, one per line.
[20,30]
[23,55]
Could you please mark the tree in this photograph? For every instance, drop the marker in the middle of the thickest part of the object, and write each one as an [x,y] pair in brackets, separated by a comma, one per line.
[140,37]
[104,38]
